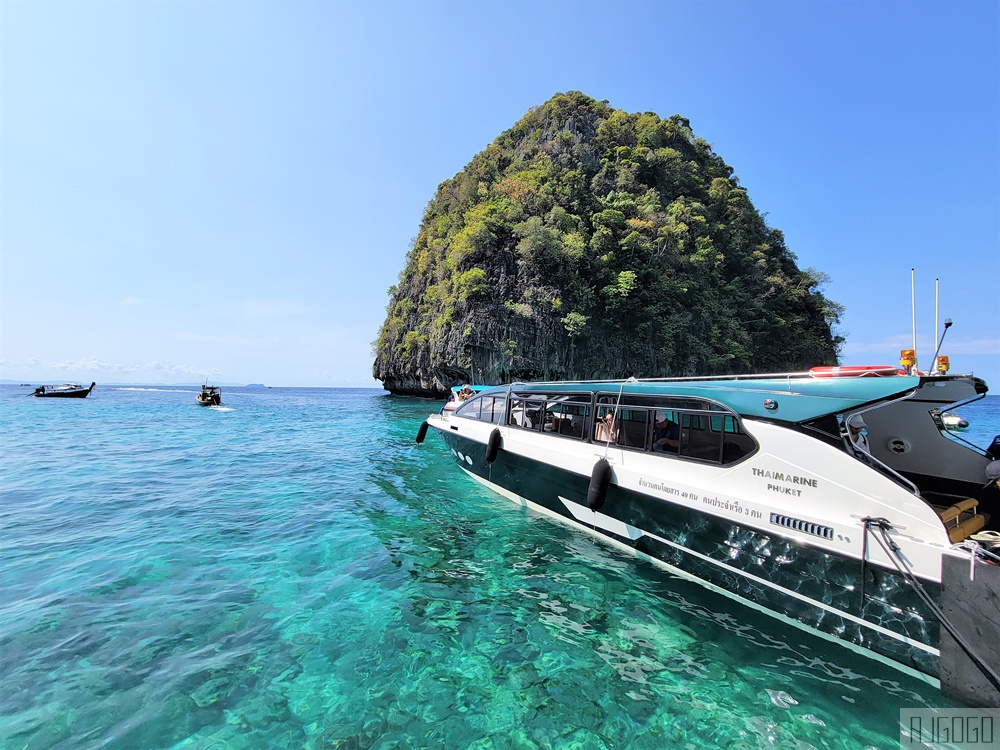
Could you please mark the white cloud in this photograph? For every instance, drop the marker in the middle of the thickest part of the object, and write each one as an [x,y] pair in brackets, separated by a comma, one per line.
[94,365]
[91,364]
[892,345]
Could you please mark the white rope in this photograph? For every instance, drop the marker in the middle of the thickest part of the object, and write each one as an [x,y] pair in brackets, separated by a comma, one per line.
[614,417]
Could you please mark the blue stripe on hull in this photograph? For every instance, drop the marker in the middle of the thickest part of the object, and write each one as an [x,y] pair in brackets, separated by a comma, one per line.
[769,571]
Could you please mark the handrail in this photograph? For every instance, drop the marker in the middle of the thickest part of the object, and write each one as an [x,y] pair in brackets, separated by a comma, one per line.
[689,378]
[614,419]
[886,470]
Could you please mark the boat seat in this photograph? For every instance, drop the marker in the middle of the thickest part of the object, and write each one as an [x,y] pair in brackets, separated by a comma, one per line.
[962,520]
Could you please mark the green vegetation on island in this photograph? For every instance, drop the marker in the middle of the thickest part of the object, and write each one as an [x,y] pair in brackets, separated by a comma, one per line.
[588,242]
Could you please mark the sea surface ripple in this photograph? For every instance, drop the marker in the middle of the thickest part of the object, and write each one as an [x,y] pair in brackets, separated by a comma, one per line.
[292,571]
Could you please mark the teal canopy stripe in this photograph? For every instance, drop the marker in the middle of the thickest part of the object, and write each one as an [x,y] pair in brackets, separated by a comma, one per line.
[798,398]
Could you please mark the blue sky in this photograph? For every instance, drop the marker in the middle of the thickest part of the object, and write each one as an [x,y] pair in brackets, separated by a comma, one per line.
[226,190]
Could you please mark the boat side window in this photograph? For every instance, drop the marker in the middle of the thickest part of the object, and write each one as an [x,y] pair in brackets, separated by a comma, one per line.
[714,437]
[671,430]
[556,413]
[605,430]
[499,409]
[705,431]
[484,408]
[471,409]
[826,428]
[633,427]
[696,441]
[566,417]
[736,443]
[526,412]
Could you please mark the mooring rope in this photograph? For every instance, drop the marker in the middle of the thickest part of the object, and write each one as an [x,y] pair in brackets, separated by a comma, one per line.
[894,553]
[614,417]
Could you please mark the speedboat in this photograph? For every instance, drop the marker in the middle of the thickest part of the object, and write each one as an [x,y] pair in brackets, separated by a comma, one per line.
[954,422]
[834,501]
[211,395]
[66,390]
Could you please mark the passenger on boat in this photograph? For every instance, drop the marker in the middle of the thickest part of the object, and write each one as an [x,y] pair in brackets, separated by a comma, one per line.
[605,430]
[993,473]
[859,433]
[666,435]
[465,393]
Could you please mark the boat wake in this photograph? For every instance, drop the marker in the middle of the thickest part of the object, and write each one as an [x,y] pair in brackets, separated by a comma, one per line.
[153,390]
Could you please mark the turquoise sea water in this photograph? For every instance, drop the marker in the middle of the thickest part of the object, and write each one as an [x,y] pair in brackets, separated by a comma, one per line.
[293,571]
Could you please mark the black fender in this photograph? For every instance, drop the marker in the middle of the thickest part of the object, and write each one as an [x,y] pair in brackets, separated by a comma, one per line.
[600,478]
[422,432]
[493,445]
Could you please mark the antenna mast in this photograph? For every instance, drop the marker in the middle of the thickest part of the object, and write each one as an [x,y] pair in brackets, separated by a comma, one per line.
[937,317]
[913,309]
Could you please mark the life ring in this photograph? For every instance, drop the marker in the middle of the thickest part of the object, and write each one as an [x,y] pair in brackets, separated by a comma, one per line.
[853,371]
[493,445]
[600,478]
[422,432]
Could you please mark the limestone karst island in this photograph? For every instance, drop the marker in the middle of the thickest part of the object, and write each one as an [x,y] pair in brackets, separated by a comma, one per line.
[588,242]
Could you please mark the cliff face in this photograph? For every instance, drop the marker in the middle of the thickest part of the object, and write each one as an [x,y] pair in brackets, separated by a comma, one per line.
[588,242]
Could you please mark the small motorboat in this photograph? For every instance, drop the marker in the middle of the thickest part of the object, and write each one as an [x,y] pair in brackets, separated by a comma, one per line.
[954,422]
[211,395]
[66,390]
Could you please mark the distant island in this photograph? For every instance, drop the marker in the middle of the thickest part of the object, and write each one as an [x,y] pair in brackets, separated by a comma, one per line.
[588,242]
[255,385]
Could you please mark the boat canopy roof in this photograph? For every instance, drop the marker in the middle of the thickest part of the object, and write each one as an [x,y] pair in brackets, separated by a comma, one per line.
[797,398]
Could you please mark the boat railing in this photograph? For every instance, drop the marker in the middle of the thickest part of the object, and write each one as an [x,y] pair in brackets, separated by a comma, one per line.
[685,379]
[879,466]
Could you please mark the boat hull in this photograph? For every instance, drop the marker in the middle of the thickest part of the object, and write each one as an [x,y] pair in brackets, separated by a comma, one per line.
[838,596]
[42,392]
